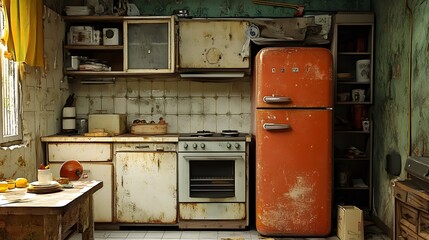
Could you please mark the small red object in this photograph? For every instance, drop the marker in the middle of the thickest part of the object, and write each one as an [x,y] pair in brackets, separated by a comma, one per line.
[71,169]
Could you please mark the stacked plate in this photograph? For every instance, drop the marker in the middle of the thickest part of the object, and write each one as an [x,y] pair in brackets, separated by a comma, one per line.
[77,10]
[36,187]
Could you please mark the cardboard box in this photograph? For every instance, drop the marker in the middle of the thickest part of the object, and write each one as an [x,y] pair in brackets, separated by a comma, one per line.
[350,223]
[114,124]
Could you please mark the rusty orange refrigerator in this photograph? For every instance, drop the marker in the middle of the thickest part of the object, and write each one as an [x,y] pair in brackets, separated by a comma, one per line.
[292,96]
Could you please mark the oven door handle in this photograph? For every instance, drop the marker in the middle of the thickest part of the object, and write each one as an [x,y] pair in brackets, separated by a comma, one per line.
[213,158]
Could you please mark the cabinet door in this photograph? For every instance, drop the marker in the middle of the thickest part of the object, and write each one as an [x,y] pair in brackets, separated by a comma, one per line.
[146,187]
[212,44]
[103,198]
[149,45]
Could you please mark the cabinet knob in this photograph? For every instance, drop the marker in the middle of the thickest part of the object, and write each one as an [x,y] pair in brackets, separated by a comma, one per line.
[203,145]
[237,145]
[194,145]
[228,145]
[185,146]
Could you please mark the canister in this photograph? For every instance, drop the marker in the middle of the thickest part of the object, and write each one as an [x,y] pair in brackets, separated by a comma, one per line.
[363,70]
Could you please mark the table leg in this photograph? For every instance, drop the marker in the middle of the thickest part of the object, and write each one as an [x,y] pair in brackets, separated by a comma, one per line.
[87,219]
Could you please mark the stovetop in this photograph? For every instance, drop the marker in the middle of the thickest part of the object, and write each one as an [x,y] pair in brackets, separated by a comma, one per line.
[225,135]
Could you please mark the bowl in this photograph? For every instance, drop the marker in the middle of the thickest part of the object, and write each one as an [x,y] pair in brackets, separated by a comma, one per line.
[71,169]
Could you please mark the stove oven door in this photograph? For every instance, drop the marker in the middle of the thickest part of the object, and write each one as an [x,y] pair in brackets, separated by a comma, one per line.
[212,177]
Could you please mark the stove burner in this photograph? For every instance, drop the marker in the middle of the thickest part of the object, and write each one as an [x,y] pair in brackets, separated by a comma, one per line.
[202,134]
[229,133]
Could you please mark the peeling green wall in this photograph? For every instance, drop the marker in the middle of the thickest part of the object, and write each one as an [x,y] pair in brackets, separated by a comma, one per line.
[230,8]
[394,43]
[245,8]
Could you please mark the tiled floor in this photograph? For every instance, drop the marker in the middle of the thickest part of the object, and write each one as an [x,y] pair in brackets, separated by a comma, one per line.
[372,234]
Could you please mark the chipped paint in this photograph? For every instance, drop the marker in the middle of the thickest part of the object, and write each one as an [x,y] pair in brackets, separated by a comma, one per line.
[137,174]
[212,211]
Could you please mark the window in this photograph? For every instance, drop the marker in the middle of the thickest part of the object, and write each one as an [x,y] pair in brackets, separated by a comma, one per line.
[10,95]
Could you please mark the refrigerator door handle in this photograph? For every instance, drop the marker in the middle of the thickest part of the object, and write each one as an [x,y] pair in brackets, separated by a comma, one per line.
[275,99]
[275,126]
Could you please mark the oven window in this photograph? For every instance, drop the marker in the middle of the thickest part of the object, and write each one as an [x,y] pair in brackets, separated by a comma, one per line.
[211,179]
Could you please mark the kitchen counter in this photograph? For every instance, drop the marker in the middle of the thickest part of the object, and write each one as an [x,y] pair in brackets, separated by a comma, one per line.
[120,138]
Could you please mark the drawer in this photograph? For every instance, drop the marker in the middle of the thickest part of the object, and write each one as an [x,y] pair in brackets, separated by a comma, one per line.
[145,147]
[423,230]
[417,202]
[408,217]
[406,234]
[83,152]
[400,194]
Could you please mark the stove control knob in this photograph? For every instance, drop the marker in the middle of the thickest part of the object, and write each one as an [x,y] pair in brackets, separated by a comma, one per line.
[228,145]
[203,145]
[194,145]
[237,145]
[185,146]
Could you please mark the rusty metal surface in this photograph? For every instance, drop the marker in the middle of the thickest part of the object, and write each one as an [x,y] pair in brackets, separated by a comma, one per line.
[212,44]
[302,74]
[146,187]
[212,211]
[294,164]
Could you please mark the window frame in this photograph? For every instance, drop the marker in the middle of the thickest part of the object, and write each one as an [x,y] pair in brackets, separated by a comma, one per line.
[15,89]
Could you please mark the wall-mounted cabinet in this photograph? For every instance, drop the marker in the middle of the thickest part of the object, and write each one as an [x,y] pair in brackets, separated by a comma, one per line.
[212,44]
[149,45]
[352,47]
[109,46]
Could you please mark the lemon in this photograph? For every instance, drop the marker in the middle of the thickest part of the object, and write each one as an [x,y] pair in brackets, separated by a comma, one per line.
[11,183]
[21,182]
[4,186]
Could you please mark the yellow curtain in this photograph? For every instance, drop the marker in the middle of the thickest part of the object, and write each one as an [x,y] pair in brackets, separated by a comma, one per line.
[24,31]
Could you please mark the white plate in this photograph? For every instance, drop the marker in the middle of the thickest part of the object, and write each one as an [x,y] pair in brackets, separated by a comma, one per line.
[53,183]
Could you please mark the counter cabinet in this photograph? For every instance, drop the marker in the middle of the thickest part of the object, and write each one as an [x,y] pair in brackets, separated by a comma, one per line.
[137,175]
[411,211]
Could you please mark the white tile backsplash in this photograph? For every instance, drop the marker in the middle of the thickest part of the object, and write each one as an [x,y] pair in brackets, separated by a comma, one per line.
[235,105]
[197,105]
[107,104]
[133,106]
[171,106]
[184,105]
[187,106]
[145,89]
[108,90]
[120,104]
[222,105]
[209,105]
[171,89]
[158,88]
[95,105]
[183,89]
[196,89]
[133,88]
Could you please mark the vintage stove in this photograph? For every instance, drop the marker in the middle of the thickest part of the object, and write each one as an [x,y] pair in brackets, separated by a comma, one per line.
[212,180]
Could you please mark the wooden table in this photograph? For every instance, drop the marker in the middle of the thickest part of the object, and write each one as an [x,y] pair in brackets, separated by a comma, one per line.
[50,216]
